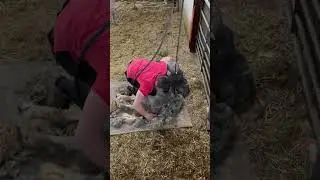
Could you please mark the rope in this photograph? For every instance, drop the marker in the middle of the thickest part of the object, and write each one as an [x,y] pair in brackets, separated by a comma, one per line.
[87,47]
[178,44]
[93,39]
[168,23]
[162,41]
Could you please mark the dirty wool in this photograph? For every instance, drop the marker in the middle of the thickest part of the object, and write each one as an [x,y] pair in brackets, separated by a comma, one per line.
[167,105]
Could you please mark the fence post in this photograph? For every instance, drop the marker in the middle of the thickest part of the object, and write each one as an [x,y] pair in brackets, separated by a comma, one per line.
[195,24]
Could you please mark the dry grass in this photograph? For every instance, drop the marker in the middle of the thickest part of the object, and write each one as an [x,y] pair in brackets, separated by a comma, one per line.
[23,32]
[276,139]
[174,154]
[23,28]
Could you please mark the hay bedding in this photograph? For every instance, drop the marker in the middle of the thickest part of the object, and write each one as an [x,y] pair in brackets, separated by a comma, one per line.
[175,153]
[21,158]
[262,34]
[124,120]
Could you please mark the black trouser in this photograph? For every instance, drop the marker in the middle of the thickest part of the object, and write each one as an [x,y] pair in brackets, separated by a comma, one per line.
[316,169]
[77,94]
[78,89]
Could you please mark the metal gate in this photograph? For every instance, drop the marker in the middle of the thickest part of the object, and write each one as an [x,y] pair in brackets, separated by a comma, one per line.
[202,44]
[305,24]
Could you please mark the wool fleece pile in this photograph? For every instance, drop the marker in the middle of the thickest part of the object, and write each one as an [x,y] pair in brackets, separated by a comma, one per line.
[124,119]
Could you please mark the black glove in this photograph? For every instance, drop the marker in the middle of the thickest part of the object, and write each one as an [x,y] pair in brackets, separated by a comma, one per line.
[132,90]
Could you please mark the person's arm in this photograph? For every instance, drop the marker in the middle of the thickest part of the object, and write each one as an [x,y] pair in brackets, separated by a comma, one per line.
[139,108]
[95,113]
[89,133]
[89,137]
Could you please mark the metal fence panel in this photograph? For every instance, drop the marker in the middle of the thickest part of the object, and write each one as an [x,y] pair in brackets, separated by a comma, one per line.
[305,26]
[203,45]
[306,29]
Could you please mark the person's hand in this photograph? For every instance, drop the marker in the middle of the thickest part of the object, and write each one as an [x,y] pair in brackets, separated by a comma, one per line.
[150,116]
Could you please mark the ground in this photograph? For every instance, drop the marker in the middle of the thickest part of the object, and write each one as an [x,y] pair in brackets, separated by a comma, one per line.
[277,140]
[25,57]
[175,154]
[178,154]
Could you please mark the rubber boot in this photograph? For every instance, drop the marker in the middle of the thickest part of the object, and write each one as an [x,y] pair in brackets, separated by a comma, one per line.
[132,90]
[224,131]
[314,162]
[76,95]
[57,99]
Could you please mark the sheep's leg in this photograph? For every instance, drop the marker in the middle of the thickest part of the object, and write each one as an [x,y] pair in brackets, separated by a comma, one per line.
[134,4]
[72,114]
[112,16]
[127,109]
[113,8]
[33,111]
[125,98]
[30,111]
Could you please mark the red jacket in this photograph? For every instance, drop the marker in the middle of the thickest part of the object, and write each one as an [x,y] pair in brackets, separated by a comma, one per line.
[147,78]
[76,23]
